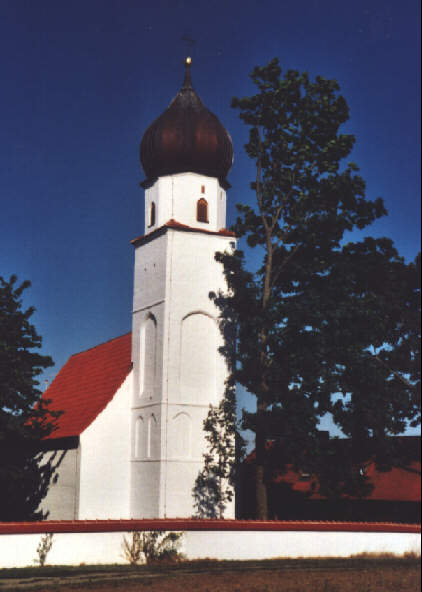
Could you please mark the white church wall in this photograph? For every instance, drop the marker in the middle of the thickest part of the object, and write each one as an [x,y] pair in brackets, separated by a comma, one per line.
[62,499]
[101,548]
[105,453]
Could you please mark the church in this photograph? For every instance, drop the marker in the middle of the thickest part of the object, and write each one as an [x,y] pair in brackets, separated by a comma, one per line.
[129,443]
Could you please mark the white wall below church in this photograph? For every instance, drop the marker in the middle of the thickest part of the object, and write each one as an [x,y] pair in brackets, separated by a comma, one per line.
[19,550]
[105,460]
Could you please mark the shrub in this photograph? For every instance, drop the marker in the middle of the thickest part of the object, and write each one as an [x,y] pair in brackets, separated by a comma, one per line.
[153,547]
[44,548]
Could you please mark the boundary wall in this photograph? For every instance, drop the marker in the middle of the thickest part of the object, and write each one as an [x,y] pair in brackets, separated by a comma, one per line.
[100,541]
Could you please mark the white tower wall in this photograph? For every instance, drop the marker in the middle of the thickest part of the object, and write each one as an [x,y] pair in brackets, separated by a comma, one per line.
[178,371]
[176,196]
[148,344]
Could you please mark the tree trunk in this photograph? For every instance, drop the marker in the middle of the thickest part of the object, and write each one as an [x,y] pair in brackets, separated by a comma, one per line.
[261,405]
[260,485]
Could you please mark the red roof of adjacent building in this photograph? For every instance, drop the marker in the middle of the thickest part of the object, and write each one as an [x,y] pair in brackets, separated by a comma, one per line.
[87,383]
[399,484]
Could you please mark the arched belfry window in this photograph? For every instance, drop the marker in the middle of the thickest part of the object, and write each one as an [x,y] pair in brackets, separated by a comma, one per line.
[152,214]
[202,210]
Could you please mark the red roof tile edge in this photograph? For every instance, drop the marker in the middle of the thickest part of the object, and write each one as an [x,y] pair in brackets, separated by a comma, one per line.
[180,524]
[84,351]
[172,223]
[58,432]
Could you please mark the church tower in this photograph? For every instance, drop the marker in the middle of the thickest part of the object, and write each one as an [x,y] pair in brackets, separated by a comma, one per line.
[178,372]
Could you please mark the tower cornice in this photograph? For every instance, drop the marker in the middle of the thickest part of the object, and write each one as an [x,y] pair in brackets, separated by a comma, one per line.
[174,225]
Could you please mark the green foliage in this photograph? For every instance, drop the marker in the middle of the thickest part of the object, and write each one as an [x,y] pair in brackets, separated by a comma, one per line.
[154,547]
[214,486]
[322,326]
[132,549]
[24,417]
[44,547]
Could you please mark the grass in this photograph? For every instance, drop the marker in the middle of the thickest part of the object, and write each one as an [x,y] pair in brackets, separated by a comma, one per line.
[362,573]
[359,560]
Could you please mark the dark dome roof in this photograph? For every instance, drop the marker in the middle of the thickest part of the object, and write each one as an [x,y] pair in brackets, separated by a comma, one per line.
[187,137]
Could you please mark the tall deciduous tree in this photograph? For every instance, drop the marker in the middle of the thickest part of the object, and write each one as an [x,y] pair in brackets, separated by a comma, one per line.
[24,416]
[320,319]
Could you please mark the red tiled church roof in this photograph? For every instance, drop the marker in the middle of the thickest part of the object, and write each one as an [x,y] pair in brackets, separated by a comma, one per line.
[87,383]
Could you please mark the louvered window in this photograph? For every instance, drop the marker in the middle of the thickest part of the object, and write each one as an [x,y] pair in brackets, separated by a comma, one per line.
[152,214]
[202,210]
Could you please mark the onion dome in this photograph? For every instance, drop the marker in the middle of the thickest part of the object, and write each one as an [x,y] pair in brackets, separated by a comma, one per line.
[187,137]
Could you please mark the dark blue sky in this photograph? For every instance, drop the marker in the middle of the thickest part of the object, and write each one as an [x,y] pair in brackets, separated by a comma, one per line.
[82,80]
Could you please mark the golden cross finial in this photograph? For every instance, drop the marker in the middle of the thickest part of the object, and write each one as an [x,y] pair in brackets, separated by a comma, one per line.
[189,44]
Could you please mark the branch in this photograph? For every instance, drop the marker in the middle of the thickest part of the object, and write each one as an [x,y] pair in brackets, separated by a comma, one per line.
[276,274]
[394,372]
[258,186]
[277,214]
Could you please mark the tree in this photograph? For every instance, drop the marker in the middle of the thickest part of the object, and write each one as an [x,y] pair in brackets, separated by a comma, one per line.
[24,416]
[213,488]
[322,326]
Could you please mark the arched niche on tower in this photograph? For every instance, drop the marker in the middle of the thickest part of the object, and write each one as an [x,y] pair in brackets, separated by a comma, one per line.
[152,448]
[198,358]
[148,352]
[181,436]
[140,437]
